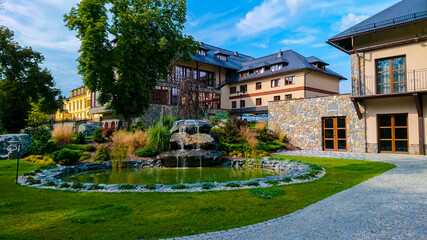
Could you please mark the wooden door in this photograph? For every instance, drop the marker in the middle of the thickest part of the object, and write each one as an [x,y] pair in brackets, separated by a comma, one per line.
[393,133]
[334,134]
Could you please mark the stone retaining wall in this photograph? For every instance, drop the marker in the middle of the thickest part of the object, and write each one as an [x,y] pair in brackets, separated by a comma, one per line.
[301,119]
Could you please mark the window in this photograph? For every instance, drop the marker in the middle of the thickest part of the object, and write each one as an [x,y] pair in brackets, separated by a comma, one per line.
[221,57]
[258,101]
[391,75]
[243,74]
[258,86]
[202,52]
[233,90]
[276,98]
[233,104]
[243,88]
[276,67]
[258,71]
[393,133]
[275,83]
[289,80]
[242,103]
[288,97]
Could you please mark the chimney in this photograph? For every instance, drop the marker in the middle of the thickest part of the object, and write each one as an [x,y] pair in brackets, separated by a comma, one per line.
[236,53]
[279,54]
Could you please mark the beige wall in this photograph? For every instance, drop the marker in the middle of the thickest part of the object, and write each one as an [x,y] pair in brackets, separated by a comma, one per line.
[322,81]
[391,106]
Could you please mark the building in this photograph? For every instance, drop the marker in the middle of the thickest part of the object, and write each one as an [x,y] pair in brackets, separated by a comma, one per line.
[389,76]
[387,109]
[76,107]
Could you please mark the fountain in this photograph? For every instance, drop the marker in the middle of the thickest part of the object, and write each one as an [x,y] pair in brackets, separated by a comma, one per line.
[192,146]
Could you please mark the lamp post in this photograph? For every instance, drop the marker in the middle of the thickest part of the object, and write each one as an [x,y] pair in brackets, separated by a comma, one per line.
[17,148]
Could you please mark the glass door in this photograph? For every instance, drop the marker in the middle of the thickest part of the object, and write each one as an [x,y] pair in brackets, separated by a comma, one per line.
[393,133]
[334,134]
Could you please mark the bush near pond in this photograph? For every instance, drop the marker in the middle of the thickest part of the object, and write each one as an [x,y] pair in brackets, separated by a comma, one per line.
[98,136]
[88,148]
[103,154]
[79,138]
[67,156]
[41,142]
[146,152]
[39,160]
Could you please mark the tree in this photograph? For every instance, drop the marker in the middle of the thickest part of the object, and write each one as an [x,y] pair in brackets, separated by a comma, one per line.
[147,36]
[36,115]
[189,98]
[22,79]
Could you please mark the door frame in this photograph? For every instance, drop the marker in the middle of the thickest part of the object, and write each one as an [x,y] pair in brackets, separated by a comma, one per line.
[393,139]
[335,129]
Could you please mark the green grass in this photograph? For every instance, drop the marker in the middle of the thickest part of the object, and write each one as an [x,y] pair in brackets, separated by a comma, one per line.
[31,213]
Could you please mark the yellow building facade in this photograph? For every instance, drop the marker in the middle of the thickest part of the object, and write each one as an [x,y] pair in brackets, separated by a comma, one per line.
[76,107]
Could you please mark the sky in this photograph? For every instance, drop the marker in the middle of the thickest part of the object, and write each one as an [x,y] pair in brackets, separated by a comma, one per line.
[253,27]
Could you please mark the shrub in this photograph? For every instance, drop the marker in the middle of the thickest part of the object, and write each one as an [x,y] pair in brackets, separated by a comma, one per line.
[282,136]
[215,120]
[271,146]
[41,143]
[304,177]
[66,156]
[95,187]
[137,126]
[150,186]
[39,159]
[32,181]
[51,184]
[77,185]
[208,185]
[230,148]
[98,136]
[180,186]
[108,131]
[131,140]
[261,125]
[79,138]
[64,185]
[88,148]
[272,182]
[267,193]
[63,134]
[255,184]
[127,187]
[159,137]
[48,167]
[168,121]
[103,154]
[248,135]
[287,179]
[232,184]
[229,132]
[119,153]
[146,152]
[84,156]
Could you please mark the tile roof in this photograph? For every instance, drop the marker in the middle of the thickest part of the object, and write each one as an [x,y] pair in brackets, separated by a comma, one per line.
[402,12]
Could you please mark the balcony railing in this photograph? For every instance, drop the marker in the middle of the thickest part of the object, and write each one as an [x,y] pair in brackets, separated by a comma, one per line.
[407,82]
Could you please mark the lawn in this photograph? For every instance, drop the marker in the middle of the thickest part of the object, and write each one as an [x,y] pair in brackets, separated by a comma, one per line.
[30,213]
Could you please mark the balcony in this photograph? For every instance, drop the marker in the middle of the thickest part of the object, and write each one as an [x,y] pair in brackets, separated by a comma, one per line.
[402,83]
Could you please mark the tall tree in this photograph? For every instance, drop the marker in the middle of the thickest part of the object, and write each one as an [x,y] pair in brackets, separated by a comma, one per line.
[147,36]
[22,79]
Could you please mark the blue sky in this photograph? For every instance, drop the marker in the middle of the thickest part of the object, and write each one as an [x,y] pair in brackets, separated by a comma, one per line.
[253,27]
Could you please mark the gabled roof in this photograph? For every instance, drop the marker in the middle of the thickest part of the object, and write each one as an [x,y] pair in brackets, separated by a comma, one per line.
[314,59]
[402,12]
[294,61]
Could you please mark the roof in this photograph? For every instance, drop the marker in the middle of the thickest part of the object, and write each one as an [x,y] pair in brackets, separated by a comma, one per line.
[405,11]
[294,61]
[314,59]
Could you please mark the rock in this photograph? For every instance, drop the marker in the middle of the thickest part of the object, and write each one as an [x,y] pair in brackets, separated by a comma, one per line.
[185,141]
[88,129]
[7,148]
[191,126]
[190,158]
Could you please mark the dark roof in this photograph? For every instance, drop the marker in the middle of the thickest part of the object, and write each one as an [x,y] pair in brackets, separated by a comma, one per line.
[234,60]
[294,60]
[402,12]
[314,59]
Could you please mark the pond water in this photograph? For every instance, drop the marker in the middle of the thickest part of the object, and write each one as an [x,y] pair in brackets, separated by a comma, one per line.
[170,176]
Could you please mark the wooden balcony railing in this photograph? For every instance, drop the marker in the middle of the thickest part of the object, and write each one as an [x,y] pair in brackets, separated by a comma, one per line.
[400,83]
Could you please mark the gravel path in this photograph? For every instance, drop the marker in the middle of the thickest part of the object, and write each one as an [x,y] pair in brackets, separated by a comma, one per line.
[390,206]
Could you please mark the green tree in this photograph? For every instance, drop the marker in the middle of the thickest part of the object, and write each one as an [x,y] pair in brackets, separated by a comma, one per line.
[21,79]
[36,114]
[147,36]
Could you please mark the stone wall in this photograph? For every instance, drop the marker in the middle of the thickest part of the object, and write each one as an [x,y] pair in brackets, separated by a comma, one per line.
[301,119]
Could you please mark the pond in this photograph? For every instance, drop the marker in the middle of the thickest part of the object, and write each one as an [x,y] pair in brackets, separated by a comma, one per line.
[169,176]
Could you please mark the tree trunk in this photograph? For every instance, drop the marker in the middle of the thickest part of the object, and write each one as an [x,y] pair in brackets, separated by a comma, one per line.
[126,123]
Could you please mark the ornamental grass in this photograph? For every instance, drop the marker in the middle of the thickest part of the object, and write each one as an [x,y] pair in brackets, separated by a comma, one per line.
[63,134]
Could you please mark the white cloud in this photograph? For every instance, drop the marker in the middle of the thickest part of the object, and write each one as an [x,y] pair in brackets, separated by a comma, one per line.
[261,45]
[298,41]
[350,20]
[269,15]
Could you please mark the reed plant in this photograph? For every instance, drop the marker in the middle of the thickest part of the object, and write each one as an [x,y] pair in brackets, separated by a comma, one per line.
[159,137]
[63,134]
[119,154]
[133,141]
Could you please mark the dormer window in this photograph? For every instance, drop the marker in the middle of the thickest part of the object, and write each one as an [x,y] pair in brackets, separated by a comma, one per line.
[243,74]
[320,66]
[259,71]
[276,67]
[202,52]
[221,57]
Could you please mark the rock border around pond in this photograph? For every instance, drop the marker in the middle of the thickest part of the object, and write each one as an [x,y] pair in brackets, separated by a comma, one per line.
[295,172]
